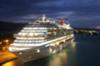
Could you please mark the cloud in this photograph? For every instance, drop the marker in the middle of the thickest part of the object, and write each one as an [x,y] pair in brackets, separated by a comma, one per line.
[75,10]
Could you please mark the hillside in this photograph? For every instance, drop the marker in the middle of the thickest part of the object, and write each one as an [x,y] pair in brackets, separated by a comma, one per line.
[8,26]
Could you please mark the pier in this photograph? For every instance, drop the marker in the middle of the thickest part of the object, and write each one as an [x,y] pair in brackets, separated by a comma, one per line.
[87,31]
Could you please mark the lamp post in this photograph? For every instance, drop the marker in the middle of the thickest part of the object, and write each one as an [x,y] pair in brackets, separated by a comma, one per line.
[4,44]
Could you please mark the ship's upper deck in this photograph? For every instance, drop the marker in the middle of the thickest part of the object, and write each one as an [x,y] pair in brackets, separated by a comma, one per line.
[41,30]
[49,23]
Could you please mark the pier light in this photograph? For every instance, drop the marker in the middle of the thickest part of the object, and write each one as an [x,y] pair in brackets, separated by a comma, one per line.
[10,48]
[6,40]
[0,42]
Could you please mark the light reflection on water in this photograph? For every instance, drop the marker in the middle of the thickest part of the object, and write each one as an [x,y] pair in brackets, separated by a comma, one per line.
[59,59]
[64,57]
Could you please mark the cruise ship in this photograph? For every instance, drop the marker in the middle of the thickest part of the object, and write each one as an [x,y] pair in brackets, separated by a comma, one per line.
[41,38]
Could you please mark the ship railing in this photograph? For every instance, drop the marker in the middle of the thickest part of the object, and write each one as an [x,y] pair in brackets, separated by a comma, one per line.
[57,39]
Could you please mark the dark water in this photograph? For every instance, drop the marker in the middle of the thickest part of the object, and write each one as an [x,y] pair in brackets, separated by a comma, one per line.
[62,58]
[85,53]
[88,50]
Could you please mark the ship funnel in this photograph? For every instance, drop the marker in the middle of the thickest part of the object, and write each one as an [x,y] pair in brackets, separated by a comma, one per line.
[61,22]
[43,17]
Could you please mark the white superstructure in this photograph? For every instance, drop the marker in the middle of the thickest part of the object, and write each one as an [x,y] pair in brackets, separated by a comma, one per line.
[41,36]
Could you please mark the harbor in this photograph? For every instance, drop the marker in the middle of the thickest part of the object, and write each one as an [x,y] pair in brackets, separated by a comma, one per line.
[49,33]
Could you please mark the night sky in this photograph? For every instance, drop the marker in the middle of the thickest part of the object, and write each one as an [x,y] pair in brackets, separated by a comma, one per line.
[81,13]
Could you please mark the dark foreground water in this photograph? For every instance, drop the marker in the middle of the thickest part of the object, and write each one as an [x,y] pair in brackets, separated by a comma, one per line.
[88,50]
[85,53]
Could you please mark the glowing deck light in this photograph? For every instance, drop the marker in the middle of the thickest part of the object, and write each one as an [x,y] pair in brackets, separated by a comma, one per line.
[20,53]
[38,50]
[52,44]
[17,49]
[50,50]
[31,34]
[19,33]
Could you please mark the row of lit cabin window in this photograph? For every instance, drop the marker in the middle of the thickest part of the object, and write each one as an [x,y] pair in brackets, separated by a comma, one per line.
[30,38]
[34,30]
[38,28]
[18,40]
[24,42]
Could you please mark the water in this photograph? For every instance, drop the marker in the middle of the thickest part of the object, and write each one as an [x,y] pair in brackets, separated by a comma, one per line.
[60,59]
[88,50]
[85,53]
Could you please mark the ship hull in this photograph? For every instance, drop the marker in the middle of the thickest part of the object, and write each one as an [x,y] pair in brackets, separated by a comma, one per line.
[44,51]
[42,38]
